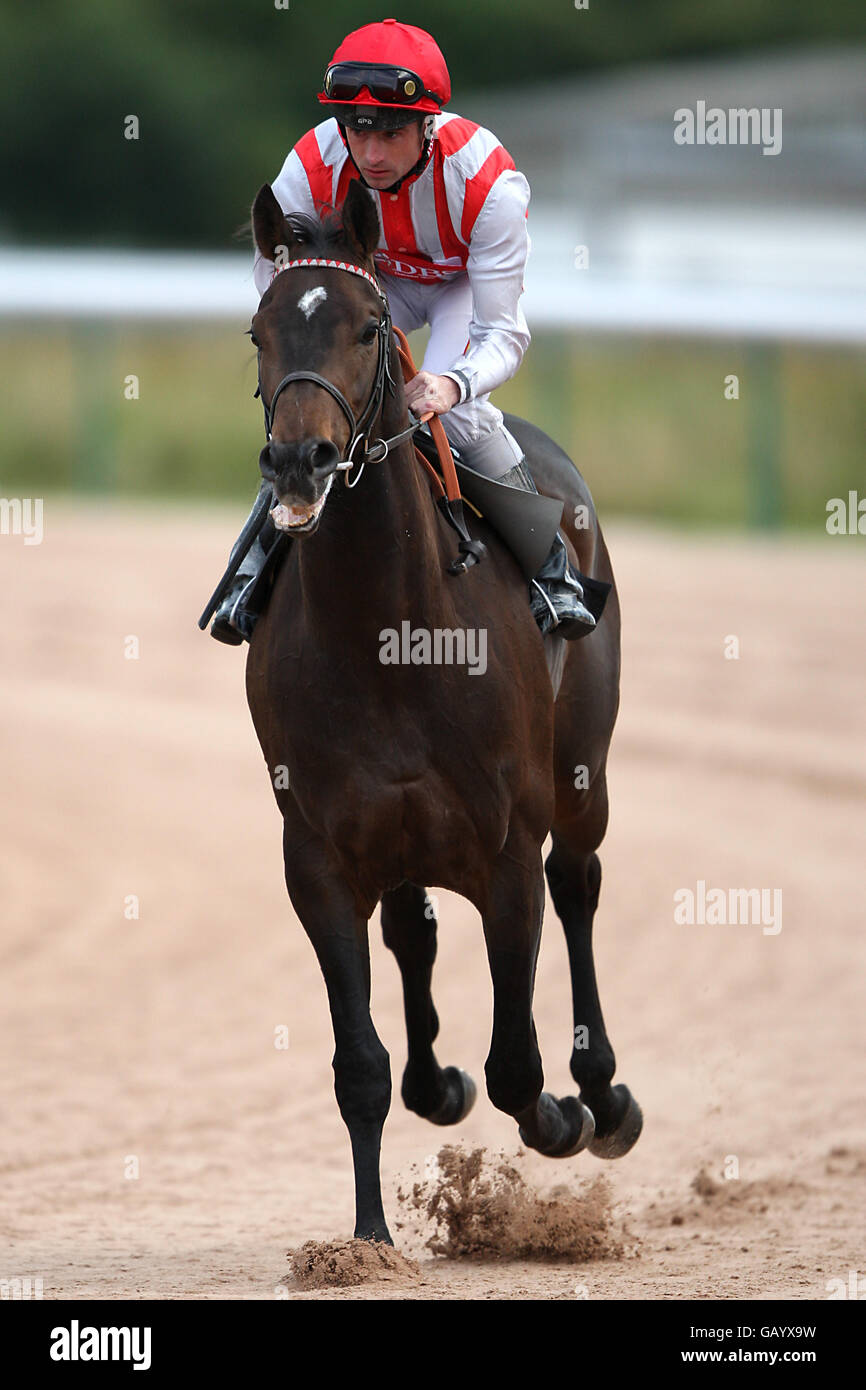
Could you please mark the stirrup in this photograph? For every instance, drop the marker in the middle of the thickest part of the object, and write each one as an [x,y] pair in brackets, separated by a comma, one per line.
[233,623]
[558,610]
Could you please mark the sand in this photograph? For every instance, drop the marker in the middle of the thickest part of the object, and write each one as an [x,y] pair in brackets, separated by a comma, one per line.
[170,1129]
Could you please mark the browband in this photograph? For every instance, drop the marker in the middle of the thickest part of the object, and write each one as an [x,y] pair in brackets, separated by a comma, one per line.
[332,265]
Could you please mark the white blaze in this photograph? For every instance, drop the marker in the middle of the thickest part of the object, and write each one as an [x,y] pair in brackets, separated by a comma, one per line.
[310,301]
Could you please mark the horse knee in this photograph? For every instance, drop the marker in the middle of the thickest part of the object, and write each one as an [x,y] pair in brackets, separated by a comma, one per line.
[362,1081]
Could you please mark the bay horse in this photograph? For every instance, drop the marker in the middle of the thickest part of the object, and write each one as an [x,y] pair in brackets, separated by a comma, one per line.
[391,777]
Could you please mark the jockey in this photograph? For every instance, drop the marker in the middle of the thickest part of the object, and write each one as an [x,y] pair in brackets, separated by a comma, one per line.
[452,253]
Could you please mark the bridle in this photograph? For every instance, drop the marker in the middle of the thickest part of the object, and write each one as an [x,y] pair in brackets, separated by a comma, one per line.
[359,427]
[450,503]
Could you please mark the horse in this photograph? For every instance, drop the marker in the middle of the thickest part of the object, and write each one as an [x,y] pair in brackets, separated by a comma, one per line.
[395,775]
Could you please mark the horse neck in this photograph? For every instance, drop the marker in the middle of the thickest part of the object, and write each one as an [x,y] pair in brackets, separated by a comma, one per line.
[380,539]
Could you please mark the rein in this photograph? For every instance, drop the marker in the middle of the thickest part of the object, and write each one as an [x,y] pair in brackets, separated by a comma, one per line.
[449,500]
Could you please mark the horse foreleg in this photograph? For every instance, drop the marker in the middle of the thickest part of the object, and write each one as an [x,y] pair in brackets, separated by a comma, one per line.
[512,931]
[443,1096]
[575,880]
[337,929]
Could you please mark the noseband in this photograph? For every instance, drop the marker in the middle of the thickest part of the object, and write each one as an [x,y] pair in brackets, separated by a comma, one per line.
[358,428]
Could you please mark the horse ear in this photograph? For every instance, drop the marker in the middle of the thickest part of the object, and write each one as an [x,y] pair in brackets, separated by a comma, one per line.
[360,219]
[269,227]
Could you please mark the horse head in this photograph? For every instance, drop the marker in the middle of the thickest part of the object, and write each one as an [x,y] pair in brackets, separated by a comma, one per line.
[323,338]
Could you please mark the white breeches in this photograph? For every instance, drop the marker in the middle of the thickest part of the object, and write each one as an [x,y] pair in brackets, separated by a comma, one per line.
[476,426]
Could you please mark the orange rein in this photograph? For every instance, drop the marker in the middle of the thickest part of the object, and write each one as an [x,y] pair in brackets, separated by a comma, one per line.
[451,490]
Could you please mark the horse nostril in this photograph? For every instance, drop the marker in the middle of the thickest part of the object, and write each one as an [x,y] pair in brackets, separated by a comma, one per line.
[321,456]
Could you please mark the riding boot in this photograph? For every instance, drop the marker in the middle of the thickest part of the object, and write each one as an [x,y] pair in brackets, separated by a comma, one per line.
[556,596]
[233,622]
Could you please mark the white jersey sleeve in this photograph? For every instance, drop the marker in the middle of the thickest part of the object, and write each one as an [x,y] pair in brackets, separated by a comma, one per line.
[292,192]
[498,252]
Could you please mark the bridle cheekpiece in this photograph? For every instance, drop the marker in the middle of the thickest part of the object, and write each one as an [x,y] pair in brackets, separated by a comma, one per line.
[358,428]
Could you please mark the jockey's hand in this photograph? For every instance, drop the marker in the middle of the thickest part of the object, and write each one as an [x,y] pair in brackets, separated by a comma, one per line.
[426,392]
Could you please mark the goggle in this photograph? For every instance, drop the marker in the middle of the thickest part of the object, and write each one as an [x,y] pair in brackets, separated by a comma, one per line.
[393,86]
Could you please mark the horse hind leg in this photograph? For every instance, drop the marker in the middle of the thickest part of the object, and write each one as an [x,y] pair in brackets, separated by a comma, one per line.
[574,879]
[442,1095]
[555,1127]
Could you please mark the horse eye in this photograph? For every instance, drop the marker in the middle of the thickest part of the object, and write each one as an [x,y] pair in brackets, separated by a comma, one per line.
[370,333]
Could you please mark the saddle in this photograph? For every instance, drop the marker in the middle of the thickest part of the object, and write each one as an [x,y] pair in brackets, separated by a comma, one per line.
[526,521]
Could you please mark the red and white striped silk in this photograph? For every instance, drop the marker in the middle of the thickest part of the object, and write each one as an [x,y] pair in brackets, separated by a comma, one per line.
[465,213]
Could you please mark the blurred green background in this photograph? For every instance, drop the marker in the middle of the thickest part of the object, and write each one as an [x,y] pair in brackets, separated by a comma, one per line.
[223,88]
[646,420]
[222,91]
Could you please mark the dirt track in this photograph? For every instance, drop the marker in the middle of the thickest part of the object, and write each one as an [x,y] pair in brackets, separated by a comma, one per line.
[155,1037]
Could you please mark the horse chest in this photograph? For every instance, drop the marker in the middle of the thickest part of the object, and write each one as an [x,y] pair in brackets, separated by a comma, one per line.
[377,783]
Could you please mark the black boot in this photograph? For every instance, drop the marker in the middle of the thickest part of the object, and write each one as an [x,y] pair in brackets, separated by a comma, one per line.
[556,596]
[232,623]
[233,620]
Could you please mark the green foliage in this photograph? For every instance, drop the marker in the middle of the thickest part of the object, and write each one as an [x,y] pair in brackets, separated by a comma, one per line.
[223,88]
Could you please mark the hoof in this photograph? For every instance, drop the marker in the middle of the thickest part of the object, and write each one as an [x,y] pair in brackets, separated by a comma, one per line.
[459,1100]
[374,1233]
[627,1131]
[577,1129]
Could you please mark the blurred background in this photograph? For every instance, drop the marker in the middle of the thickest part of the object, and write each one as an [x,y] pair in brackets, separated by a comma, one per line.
[129,256]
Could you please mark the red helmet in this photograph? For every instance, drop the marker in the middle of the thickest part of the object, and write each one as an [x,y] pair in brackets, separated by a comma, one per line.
[395,67]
